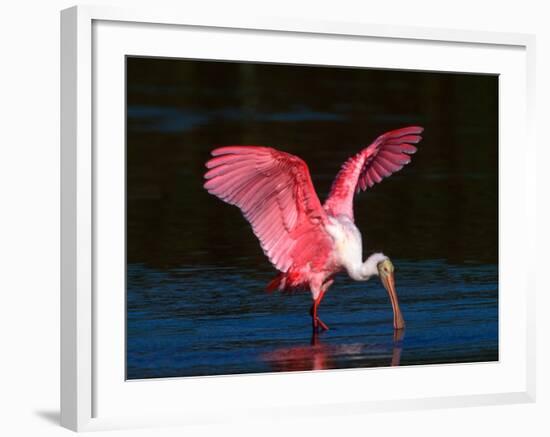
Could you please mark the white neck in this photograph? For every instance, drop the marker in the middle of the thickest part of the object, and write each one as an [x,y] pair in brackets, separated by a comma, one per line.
[349,248]
[363,271]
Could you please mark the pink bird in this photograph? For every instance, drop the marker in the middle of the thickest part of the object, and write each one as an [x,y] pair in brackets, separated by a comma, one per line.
[306,241]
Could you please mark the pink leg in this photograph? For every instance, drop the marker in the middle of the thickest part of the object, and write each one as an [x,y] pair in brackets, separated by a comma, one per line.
[316,321]
[322,324]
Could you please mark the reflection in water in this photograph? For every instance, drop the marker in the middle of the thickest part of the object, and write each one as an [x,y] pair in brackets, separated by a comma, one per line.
[398,336]
[320,356]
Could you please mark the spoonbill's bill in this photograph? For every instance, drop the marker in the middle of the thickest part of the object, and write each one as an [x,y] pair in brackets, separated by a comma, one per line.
[306,241]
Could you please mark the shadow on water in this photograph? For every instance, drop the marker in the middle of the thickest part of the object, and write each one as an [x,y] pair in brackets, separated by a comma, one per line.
[196,273]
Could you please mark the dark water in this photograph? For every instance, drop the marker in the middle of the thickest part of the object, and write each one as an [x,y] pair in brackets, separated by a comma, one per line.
[196,274]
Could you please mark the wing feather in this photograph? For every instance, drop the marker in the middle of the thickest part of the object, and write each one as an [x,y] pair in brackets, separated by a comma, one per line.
[385,156]
[275,193]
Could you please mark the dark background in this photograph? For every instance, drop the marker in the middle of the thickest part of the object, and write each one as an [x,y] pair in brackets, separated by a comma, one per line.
[438,217]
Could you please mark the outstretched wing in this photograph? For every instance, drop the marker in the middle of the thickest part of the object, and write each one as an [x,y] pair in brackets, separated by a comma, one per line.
[385,156]
[274,191]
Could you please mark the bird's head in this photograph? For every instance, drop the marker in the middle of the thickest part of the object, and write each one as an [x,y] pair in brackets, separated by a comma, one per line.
[385,272]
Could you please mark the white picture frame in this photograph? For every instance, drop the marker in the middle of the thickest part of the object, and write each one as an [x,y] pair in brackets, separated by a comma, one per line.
[93,396]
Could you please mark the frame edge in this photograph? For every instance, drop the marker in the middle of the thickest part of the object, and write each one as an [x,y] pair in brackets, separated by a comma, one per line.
[76,184]
[531,199]
[76,269]
[68,218]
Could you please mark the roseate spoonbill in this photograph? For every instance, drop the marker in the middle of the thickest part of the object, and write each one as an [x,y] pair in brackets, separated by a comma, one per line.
[306,241]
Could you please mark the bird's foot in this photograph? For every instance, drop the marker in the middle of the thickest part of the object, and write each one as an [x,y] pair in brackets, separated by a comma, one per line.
[319,325]
[322,324]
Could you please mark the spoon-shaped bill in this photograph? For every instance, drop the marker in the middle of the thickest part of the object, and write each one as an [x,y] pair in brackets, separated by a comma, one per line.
[389,284]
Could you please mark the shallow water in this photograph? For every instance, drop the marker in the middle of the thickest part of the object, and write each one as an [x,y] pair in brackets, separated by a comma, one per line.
[206,320]
[196,274]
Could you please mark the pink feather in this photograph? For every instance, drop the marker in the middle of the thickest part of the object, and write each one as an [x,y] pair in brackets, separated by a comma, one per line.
[274,191]
[386,155]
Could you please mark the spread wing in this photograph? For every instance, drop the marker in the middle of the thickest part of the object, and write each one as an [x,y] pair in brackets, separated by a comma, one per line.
[275,193]
[385,156]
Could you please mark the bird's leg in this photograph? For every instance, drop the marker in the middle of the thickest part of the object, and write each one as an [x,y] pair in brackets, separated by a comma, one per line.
[324,288]
[313,314]
[314,338]
[322,324]
[316,321]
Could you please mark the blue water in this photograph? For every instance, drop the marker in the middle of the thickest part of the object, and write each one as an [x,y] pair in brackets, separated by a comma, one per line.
[208,320]
[196,276]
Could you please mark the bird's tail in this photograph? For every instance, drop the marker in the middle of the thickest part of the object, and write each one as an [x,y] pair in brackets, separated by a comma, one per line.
[277,283]
[287,281]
